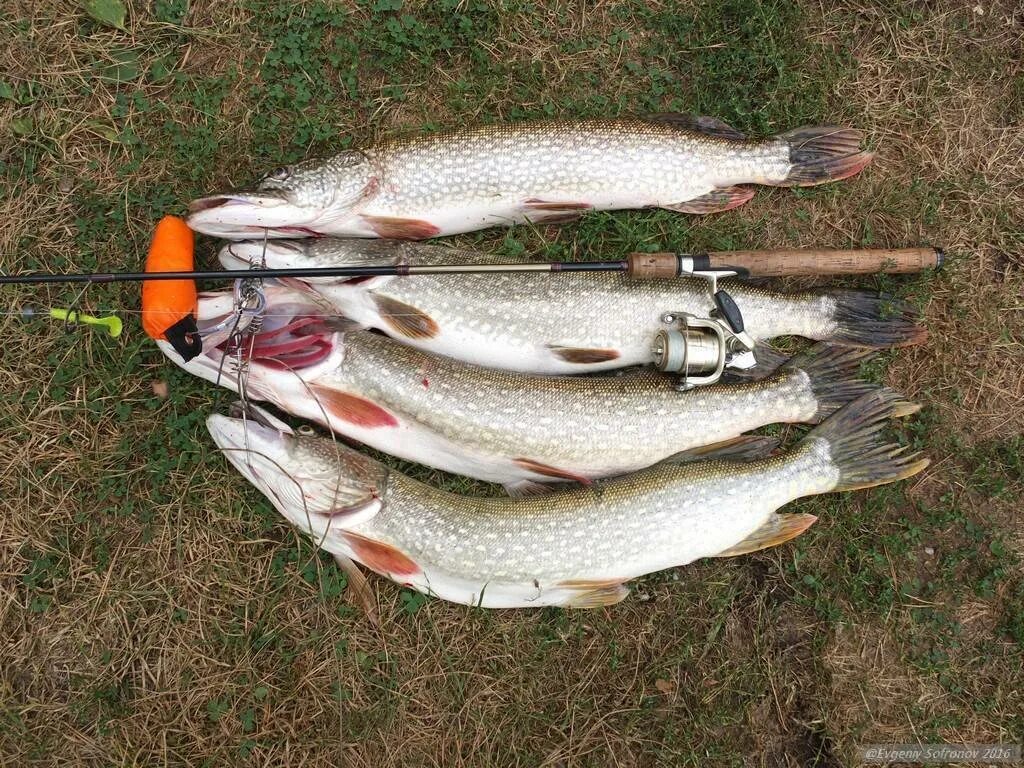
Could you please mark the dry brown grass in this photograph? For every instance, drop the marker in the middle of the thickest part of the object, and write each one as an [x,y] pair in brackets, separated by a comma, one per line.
[184,620]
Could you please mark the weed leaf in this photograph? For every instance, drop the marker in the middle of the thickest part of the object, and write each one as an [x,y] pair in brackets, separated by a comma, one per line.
[109,12]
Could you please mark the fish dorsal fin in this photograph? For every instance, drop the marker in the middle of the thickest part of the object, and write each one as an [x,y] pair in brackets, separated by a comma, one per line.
[778,529]
[742,448]
[710,126]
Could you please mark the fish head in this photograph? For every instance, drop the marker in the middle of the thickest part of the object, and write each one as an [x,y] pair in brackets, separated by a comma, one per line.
[320,253]
[290,201]
[299,339]
[276,254]
[317,483]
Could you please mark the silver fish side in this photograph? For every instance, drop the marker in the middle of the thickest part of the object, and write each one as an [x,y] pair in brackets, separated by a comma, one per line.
[557,324]
[575,547]
[471,178]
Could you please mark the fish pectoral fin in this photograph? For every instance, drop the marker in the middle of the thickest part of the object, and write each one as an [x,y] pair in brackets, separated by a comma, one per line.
[562,206]
[522,488]
[405,319]
[742,448]
[362,593]
[593,594]
[715,201]
[352,408]
[709,126]
[398,228]
[554,211]
[584,355]
[549,471]
[778,530]
[379,556]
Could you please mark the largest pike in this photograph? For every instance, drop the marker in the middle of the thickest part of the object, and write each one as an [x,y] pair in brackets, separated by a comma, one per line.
[510,428]
[471,178]
[570,548]
[567,323]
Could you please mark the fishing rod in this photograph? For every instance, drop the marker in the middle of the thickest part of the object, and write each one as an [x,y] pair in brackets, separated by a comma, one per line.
[698,349]
[773,263]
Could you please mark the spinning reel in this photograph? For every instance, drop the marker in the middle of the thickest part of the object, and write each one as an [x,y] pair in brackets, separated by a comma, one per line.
[700,349]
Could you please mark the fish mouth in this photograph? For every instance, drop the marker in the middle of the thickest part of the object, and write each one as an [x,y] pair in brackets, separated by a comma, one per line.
[293,337]
[243,254]
[255,442]
[243,215]
[246,423]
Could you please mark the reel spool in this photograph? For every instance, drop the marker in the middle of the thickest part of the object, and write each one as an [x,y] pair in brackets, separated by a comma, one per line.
[699,350]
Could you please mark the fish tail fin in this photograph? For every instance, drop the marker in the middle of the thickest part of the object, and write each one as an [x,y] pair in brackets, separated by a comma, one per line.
[854,448]
[865,319]
[832,374]
[821,154]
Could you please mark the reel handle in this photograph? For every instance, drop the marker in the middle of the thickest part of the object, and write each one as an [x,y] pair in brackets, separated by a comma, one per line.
[792,261]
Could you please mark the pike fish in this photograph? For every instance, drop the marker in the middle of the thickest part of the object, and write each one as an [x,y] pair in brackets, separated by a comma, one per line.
[573,548]
[471,178]
[569,323]
[511,428]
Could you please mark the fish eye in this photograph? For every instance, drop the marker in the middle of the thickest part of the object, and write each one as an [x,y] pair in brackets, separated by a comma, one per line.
[306,431]
[281,173]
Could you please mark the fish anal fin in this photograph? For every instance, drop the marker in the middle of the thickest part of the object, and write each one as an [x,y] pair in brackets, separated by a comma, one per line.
[362,593]
[584,355]
[594,594]
[405,319]
[352,408]
[778,530]
[548,471]
[709,126]
[715,201]
[742,448]
[380,557]
[398,228]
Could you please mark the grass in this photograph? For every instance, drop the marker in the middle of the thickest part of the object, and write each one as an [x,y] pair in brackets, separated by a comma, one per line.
[156,610]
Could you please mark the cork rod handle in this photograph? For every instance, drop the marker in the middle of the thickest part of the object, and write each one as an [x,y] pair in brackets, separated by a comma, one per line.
[786,262]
